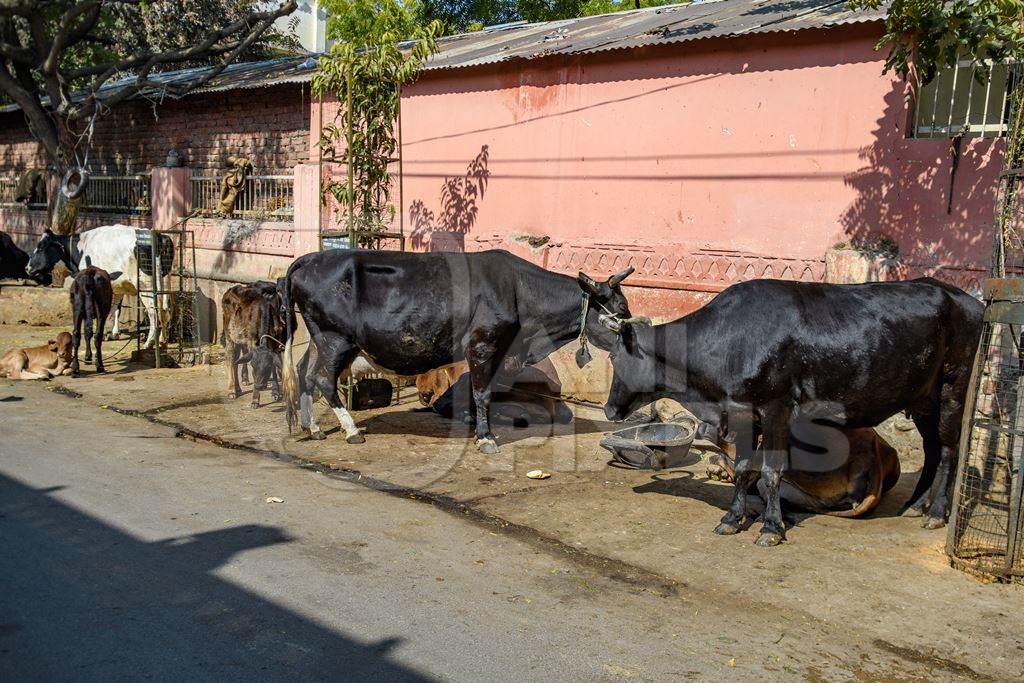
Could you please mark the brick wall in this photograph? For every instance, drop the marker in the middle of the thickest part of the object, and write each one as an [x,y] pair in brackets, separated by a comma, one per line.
[270,125]
[18,149]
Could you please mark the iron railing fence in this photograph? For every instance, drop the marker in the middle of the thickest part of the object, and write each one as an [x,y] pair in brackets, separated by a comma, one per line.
[118,194]
[957,103]
[264,197]
[125,194]
[8,188]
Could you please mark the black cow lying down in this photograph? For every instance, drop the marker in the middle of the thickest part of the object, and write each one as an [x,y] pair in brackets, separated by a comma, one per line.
[764,352]
[413,312]
[520,399]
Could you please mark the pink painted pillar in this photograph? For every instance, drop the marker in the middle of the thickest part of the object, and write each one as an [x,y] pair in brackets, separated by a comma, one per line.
[170,195]
[307,208]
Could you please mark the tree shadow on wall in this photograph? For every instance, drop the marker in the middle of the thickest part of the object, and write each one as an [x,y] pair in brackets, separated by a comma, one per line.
[903,194]
[459,210]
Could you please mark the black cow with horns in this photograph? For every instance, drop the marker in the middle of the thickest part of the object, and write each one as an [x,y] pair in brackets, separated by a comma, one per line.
[766,354]
[414,312]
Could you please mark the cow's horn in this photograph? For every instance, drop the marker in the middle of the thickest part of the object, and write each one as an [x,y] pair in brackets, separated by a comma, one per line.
[615,280]
[636,320]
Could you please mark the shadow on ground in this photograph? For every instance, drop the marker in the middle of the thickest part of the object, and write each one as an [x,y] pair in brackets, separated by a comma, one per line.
[84,600]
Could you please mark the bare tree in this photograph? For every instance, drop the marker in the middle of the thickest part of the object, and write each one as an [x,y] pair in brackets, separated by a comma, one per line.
[59,54]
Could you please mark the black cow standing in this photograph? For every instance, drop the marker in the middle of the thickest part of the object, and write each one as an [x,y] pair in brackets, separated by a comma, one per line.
[91,299]
[765,352]
[13,260]
[414,312]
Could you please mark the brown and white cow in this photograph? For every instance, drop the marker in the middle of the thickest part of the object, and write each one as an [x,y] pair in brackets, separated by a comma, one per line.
[253,329]
[38,362]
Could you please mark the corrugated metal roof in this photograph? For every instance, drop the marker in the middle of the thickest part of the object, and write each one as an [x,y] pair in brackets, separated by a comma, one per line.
[621,30]
[650,26]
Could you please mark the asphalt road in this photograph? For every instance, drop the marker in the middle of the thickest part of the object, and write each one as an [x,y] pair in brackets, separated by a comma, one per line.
[128,553]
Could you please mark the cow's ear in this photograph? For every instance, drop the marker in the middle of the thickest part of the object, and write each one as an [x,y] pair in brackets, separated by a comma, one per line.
[587,284]
[115,275]
[52,344]
[48,233]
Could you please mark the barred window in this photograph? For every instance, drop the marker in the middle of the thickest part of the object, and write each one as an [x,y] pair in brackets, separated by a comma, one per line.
[955,101]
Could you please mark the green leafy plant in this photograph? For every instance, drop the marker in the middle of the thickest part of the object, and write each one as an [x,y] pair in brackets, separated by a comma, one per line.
[925,36]
[366,72]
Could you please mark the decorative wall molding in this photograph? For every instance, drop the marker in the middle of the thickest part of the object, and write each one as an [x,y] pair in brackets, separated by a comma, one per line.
[251,237]
[685,267]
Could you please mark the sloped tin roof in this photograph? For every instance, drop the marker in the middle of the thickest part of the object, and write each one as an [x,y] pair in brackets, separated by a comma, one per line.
[621,30]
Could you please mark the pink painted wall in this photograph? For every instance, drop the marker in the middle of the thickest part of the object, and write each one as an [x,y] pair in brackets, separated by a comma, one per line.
[701,164]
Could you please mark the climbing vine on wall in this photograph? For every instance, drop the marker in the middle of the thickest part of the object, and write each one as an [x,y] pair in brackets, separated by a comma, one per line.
[367,81]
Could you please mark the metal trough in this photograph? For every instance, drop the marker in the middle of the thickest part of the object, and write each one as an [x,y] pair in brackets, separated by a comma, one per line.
[652,446]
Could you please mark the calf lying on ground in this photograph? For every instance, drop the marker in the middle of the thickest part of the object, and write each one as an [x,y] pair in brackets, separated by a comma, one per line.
[841,472]
[39,362]
[520,399]
[253,328]
[431,385]
[91,298]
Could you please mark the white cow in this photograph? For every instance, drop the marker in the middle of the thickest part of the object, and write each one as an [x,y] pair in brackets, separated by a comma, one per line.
[112,248]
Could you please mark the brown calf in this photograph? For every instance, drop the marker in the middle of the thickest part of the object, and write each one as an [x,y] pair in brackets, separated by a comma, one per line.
[253,329]
[847,480]
[91,298]
[39,362]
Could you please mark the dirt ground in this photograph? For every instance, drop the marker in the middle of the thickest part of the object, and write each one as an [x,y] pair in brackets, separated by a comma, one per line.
[882,582]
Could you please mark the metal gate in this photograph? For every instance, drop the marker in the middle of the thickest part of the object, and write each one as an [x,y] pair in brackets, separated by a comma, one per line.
[985,526]
[166,280]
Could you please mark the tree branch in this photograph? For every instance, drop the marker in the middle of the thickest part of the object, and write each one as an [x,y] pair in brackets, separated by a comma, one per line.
[66,35]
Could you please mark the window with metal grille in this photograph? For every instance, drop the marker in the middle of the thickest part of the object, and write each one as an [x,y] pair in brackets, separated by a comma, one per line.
[956,102]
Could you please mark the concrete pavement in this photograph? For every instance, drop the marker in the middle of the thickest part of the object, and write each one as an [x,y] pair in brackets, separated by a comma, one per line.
[131,554]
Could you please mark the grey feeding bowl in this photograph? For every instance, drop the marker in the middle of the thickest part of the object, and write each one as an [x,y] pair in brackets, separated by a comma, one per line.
[652,446]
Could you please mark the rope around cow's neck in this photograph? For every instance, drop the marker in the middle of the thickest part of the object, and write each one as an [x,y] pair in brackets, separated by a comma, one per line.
[583,323]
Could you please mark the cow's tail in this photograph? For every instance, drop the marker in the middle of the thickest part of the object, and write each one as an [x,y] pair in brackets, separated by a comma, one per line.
[289,376]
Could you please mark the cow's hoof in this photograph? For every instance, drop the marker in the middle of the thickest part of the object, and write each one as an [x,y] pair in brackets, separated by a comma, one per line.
[111,336]
[487,446]
[913,512]
[317,435]
[276,397]
[100,369]
[355,438]
[934,523]
[234,394]
[768,539]
[726,529]
[254,405]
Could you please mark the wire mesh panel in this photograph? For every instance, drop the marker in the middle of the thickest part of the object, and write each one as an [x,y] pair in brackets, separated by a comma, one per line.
[985,527]
[167,298]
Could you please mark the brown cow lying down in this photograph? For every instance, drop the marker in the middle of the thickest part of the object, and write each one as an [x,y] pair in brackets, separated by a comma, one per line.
[39,362]
[519,399]
[845,486]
